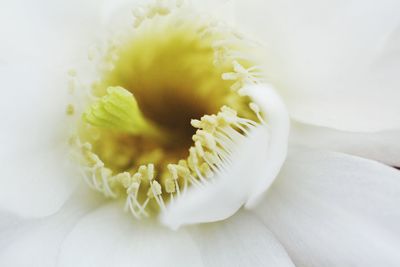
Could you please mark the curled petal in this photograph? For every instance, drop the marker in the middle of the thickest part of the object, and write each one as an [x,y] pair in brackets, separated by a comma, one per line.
[252,167]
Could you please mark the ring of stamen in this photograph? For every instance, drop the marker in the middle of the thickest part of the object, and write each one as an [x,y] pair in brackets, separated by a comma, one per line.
[126,146]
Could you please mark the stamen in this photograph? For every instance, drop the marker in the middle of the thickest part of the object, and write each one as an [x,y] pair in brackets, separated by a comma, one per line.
[242,76]
[152,172]
[254,107]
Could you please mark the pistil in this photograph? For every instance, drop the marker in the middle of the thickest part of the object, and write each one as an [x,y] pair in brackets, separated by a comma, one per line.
[118,110]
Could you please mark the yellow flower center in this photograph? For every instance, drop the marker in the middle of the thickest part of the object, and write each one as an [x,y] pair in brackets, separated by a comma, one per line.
[145,135]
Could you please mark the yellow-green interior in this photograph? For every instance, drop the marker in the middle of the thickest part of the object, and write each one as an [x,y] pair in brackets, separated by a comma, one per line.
[169,67]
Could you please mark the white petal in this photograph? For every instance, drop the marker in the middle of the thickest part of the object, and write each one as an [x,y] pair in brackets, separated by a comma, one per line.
[118,13]
[278,123]
[240,241]
[255,162]
[40,39]
[383,146]
[336,62]
[86,234]
[227,192]
[331,209]
[47,30]
[223,10]
[110,237]
[36,242]
[36,178]
[7,219]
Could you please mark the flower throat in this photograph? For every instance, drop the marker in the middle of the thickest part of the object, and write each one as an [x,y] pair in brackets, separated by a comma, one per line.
[165,111]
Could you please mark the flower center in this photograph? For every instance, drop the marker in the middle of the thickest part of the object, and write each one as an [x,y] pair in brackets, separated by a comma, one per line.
[144,134]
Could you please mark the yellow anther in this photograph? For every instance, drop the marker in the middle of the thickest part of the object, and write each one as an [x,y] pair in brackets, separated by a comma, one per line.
[227,114]
[195,123]
[222,121]
[229,76]
[183,170]
[209,119]
[207,123]
[173,171]
[94,159]
[137,177]
[193,156]
[254,107]
[154,190]
[133,187]
[183,163]
[157,188]
[150,171]
[196,137]
[143,171]
[210,142]
[239,68]
[170,186]
[205,138]
[87,146]
[200,134]
[199,148]
[229,111]
[124,178]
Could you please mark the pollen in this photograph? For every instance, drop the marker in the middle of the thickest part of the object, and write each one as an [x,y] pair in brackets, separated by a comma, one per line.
[164,112]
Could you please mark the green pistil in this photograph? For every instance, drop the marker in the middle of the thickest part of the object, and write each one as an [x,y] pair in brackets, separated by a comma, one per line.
[119,111]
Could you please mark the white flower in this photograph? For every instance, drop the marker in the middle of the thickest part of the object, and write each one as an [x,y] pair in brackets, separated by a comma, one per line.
[333,64]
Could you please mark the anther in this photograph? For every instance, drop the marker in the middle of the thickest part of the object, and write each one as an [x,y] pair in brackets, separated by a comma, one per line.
[170,186]
[199,149]
[154,190]
[195,123]
[173,171]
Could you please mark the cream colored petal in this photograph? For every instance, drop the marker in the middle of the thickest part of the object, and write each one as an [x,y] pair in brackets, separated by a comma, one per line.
[223,10]
[88,232]
[41,40]
[36,242]
[243,240]
[331,209]
[253,165]
[383,146]
[110,237]
[335,62]
[36,175]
